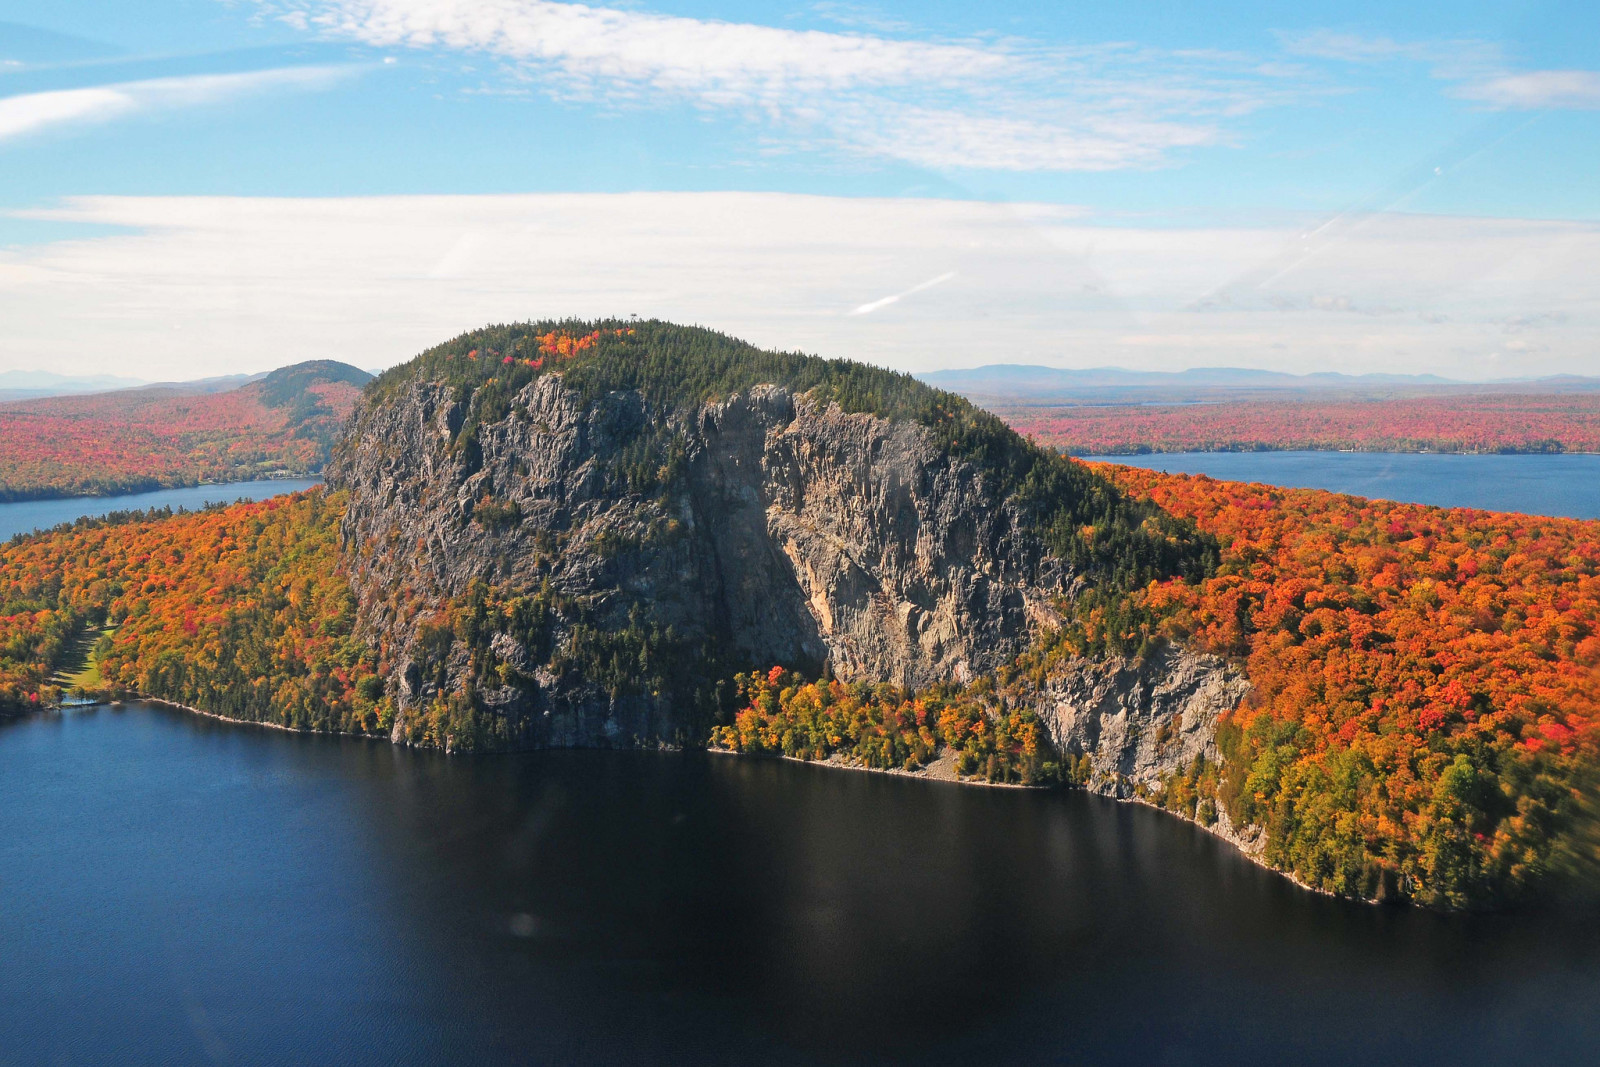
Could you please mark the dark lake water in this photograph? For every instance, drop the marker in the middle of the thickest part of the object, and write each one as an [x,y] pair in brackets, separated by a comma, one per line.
[1538,485]
[29,515]
[177,890]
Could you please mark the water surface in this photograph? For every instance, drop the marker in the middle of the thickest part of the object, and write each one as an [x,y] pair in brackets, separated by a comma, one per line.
[178,890]
[26,516]
[1537,485]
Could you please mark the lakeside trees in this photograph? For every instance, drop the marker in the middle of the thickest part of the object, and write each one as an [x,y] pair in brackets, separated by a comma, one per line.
[1426,684]
[886,727]
[239,611]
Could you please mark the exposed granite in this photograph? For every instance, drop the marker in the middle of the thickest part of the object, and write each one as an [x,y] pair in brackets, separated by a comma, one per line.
[793,533]
[1140,721]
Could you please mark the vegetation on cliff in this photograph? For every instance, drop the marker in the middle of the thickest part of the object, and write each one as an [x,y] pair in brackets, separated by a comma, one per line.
[1085,521]
[141,439]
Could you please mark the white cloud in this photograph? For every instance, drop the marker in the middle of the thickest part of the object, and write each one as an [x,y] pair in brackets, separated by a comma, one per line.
[1479,68]
[256,283]
[953,139]
[595,47]
[32,112]
[986,104]
[1577,89]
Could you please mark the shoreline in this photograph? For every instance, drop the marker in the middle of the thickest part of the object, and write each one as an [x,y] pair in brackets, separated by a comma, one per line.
[945,763]
[52,496]
[1220,830]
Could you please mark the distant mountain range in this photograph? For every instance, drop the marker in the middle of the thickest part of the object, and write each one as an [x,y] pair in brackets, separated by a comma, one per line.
[24,384]
[1027,382]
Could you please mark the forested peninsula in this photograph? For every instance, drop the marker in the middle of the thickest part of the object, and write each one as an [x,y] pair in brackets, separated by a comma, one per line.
[631,533]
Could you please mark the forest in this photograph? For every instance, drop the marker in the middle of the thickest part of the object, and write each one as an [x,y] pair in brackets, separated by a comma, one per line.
[239,611]
[1462,421]
[886,727]
[1425,710]
[143,439]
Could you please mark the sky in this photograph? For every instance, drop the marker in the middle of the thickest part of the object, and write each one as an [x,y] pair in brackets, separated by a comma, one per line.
[201,187]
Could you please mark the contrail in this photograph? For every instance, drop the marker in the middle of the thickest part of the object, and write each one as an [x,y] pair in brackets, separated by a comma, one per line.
[867,309]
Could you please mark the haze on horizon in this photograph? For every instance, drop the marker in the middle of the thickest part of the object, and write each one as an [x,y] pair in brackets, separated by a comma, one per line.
[197,189]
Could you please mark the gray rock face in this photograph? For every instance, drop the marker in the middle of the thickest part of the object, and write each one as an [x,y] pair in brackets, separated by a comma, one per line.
[791,533]
[1140,721]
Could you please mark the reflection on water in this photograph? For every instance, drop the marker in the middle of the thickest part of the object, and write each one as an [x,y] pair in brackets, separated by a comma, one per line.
[1566,485]
[181,890]
[26,516]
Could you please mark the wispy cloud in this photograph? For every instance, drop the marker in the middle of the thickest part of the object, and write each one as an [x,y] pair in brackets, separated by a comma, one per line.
[615,51]
[1569,89]
[858,16]
[29,113]
[1480,69]
[990,103]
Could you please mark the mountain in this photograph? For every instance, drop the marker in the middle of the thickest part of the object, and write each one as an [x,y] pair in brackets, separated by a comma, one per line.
[1016,386]
[579,533]
[215,430]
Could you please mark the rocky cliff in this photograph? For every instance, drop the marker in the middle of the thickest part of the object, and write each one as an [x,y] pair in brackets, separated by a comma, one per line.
[795,533]
[567,565]
[1139,721]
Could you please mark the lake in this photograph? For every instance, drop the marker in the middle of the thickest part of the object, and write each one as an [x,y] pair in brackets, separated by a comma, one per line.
[178,890]
[1538,485]
[25,516]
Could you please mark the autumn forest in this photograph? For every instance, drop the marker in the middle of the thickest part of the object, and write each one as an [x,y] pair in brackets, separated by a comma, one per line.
[1460,421]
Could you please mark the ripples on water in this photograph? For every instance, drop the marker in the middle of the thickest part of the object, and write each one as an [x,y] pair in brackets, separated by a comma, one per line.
[173,889]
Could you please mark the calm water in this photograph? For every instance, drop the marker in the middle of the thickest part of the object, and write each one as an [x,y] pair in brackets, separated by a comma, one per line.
[29,515]
[1539,485]
[176,890]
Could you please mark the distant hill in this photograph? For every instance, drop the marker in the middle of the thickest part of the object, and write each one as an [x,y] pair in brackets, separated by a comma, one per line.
[1111,411]
[1027,383]
[26,384]
[281,424]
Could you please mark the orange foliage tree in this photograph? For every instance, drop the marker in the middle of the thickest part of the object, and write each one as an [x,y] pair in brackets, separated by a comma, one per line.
[238,611]
[886,727]
[1425,711]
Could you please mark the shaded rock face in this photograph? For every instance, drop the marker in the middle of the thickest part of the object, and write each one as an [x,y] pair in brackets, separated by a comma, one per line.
[1140,721]
[790,533]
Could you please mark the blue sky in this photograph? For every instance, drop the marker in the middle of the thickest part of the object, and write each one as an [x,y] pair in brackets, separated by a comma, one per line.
[200,186]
